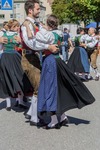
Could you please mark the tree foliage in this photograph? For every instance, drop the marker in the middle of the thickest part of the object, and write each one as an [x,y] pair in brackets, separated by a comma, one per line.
[77,10]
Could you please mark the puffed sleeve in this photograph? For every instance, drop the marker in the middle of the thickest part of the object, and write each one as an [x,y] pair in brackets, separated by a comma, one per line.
[93,43]
[83,38]
[44,37]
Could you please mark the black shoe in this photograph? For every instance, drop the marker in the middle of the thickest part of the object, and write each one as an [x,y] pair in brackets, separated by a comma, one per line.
[33,123]
[25,99]
[27,116]
[23,106]
[57,126]
[16,104]
[8,108]
[88,77]
[97,78]
[41,124]
[64,122]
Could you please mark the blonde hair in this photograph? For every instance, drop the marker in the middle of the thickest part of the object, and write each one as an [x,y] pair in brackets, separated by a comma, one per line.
[13,23]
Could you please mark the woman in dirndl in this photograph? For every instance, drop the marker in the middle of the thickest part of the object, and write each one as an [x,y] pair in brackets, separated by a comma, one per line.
[14,82]
[60,90]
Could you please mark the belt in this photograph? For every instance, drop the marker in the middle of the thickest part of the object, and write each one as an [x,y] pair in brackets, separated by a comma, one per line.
[27,52]
[46,53]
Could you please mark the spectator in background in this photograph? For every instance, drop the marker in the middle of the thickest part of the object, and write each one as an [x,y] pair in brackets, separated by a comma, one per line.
[65,44]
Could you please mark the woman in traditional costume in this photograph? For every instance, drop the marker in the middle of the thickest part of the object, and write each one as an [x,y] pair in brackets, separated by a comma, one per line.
[60,90]
[78,62]
[14,79]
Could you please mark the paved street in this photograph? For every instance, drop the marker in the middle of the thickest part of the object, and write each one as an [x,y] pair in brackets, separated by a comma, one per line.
[82,133]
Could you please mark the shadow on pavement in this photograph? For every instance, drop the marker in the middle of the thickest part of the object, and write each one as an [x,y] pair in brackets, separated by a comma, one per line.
[77,121]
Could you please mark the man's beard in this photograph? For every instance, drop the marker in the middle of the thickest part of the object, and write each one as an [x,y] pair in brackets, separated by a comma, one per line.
[36,16]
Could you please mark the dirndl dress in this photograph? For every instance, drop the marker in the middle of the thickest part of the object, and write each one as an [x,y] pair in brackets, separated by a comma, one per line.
[12,75]
[78,61]
[60,90]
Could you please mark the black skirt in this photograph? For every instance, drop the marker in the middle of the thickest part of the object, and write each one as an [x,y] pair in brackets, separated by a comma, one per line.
[3,88]
[74,62]
[14,79]
[72,93]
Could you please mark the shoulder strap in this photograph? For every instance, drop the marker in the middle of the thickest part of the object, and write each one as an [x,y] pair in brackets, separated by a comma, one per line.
[35,28]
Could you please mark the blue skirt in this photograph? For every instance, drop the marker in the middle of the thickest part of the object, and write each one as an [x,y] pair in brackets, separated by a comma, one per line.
[47,93]
[78,61]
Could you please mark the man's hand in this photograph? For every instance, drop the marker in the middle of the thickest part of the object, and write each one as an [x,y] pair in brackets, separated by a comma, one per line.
[53,48]
[3,40]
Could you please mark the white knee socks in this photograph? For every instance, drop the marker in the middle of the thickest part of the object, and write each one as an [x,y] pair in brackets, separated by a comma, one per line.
[30,110]
[20,99]
[33,110]
[8,101]
[63,117]
[53,122]
[34,117]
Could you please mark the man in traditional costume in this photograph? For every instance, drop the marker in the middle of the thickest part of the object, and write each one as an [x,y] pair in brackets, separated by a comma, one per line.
[90,43]
[30,61]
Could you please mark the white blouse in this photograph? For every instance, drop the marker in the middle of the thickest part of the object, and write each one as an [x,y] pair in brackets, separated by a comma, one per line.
[46,37]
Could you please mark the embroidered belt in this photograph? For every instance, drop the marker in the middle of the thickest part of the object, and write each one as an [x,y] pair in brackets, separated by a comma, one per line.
[46,53]
[27,52]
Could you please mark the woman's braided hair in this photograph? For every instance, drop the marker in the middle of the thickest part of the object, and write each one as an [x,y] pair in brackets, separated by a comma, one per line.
[52,22]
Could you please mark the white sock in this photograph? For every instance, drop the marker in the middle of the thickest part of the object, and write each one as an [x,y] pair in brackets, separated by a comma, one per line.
[53,122]
[34,117]
[89,76]
[91,69]
[8,101]
[98,74]
[20,99]
[30,110]
[63,117]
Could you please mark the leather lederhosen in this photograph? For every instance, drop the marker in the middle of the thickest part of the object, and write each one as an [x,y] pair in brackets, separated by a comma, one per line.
[31,64]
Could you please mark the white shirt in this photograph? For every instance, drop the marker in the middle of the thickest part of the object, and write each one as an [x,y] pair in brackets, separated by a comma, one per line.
[32,43]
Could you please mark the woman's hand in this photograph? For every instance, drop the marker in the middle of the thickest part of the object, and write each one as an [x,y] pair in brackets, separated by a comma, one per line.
[3,40]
